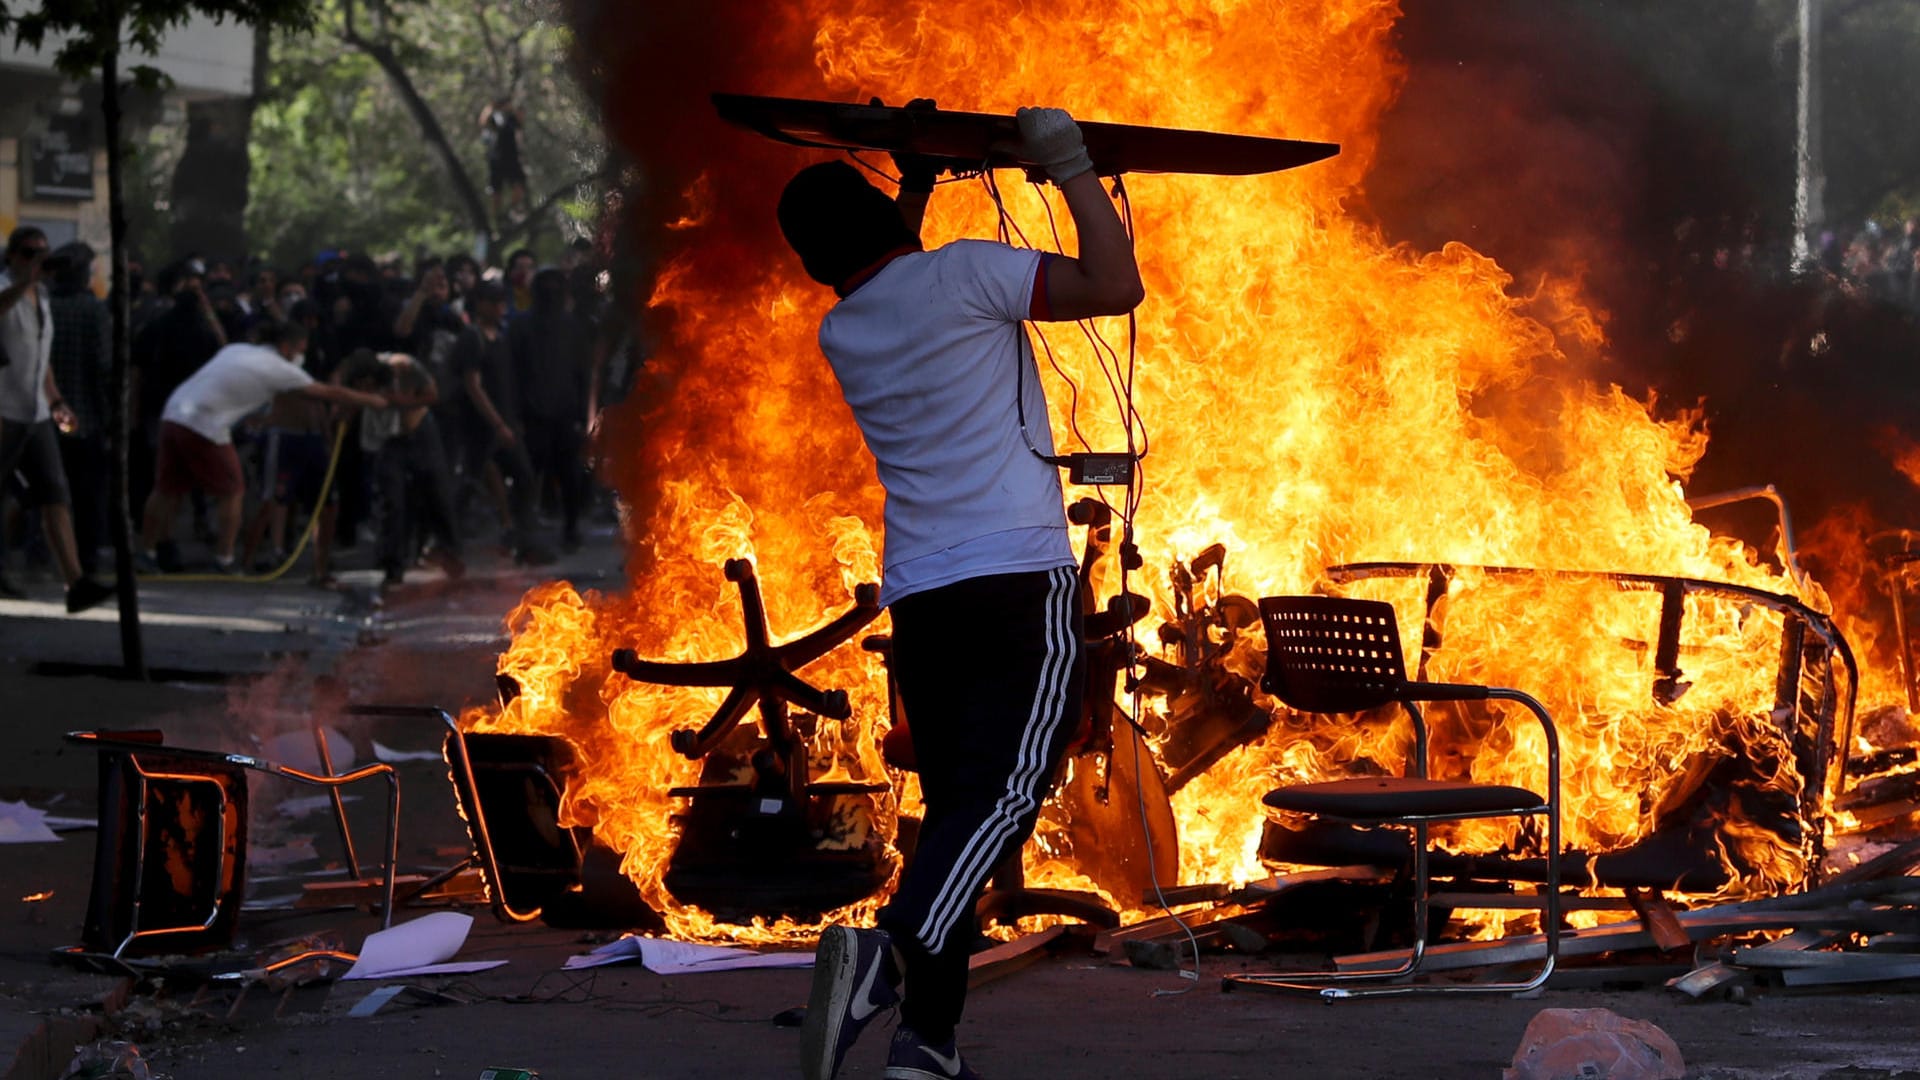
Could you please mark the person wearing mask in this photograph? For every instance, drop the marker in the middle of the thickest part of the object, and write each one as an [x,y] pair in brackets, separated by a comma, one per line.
[519,282]
[483,360]
[261,301]
[550,357]
[32,411]
[931,353]
[196,432]
[426,326]
[463,273]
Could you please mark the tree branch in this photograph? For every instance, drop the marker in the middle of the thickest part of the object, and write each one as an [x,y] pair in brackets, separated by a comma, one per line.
[525,224]
[486,39]
[382,54]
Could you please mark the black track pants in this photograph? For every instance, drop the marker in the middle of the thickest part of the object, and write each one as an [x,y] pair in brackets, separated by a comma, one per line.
[991,674]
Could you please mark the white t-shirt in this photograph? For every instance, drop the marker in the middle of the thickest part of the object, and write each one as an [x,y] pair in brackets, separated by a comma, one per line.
[26,331]
[929,352]
[239,379]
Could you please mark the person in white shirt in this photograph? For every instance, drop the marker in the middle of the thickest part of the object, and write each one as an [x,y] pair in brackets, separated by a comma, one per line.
[31,409]
[930,350]
[196,430]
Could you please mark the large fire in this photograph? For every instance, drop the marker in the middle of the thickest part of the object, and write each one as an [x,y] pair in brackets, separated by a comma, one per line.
[1315,394]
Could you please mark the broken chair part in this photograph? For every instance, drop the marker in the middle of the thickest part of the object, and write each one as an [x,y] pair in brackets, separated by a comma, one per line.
[508,790]
[170,857]
[767,846]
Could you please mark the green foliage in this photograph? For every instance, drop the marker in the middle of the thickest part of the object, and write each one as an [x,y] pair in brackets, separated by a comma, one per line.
[338,161]
[1872,107]
[142,25]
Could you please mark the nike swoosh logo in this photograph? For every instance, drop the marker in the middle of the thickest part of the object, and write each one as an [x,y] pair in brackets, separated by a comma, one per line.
[948,1065]
[863,1004]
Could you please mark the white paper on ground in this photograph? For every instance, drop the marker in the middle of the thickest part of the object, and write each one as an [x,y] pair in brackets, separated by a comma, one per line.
[394,757]
[667,957]
[419,947]
[23,824]
[296,750]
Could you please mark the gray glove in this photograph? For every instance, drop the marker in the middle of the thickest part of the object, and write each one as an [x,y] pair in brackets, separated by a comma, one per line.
[1050,139]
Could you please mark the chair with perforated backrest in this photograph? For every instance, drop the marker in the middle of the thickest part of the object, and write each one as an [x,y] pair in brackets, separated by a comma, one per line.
[1336,655]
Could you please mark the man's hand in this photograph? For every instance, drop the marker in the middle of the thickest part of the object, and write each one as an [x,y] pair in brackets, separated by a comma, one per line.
[1050,139]
[918,172]
[64,419]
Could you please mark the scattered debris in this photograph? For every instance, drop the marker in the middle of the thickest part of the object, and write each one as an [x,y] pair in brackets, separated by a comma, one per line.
[1594,1044]
[112,1060]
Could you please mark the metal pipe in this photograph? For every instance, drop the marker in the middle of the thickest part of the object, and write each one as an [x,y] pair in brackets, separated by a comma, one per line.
[1770,494]
[325,753]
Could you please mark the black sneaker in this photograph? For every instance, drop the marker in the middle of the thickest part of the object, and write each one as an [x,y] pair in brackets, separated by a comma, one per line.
[86,592]
[911,1058]
[9,590]
[853,981]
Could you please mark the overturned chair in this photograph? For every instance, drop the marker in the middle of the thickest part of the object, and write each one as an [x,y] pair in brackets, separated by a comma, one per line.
[1336,655]
[170,855]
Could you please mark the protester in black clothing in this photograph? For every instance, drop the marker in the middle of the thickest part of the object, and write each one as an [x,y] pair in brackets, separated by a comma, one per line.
[225,300]
[519,282]
[500,131]
[427,326]
[409,462]
[484,361]
[362,318]
[261,302]
[550,359]
[463,273]
[83,368]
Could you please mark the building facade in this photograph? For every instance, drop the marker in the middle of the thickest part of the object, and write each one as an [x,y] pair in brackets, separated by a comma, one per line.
[53,162]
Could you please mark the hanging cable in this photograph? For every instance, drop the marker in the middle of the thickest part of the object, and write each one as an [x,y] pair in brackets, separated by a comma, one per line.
[1120,377]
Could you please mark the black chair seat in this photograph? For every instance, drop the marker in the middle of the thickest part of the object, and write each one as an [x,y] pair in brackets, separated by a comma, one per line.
[1385,797]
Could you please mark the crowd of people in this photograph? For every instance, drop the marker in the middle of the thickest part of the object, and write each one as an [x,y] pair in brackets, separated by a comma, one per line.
[1880,259]
[422,405]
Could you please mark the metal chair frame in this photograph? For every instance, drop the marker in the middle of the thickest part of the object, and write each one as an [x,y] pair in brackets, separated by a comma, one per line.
[467,793]
[133,748]
[1350,664]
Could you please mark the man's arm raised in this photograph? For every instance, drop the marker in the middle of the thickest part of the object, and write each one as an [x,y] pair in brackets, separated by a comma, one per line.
[1103,278]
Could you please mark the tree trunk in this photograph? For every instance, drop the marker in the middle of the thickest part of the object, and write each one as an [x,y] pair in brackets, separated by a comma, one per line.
[132,651]
[210,184]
